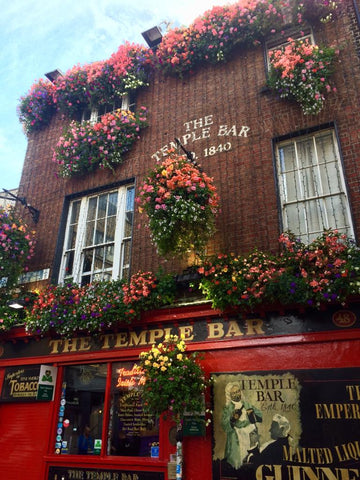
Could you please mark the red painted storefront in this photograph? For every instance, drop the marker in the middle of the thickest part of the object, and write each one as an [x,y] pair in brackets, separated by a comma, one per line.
[325,342]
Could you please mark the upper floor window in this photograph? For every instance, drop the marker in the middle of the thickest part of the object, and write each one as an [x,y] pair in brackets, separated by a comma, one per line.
[126,102]
[311,184]
[98,237]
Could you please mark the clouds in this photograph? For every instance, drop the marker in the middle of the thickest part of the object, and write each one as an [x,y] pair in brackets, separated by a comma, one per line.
[38,36]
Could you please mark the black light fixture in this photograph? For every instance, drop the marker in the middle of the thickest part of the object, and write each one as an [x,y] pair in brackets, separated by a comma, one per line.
[153,36]
[54,75]
[35,213]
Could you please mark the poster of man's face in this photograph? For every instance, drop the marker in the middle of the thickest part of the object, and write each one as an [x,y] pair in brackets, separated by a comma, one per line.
[283,425]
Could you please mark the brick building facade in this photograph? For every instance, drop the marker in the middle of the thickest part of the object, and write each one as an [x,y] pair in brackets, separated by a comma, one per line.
[241,134]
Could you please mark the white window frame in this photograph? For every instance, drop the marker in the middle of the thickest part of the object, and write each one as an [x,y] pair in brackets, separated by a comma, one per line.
[74,254]
[94,114]
[316,188]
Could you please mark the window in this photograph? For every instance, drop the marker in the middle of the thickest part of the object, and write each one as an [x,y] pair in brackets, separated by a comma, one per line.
[98,237]
[95,113]
[311,185]
[130,430]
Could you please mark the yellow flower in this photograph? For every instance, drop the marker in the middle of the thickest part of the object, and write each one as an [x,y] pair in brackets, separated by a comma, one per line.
[156,365]
[179,356]
[163,368]
[147,362]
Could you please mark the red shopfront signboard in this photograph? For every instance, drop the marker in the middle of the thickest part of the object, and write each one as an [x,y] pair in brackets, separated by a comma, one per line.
[287,425]
[72,473]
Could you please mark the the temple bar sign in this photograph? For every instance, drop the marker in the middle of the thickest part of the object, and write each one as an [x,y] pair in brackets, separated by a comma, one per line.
[70,473]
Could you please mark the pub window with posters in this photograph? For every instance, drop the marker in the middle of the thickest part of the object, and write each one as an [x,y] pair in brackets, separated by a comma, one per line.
[98,237]
[311,185]
[131,431]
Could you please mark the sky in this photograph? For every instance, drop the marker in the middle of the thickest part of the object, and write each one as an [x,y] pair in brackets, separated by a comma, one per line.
[39,36]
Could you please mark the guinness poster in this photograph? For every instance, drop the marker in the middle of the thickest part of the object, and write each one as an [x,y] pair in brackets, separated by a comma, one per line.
[287,425]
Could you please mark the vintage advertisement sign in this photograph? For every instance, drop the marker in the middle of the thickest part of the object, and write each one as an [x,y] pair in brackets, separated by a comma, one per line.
[72,473]
[287,425]
[28,383]
[20,384]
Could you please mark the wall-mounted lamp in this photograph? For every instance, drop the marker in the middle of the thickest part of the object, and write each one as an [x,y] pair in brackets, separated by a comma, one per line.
[153,36]
[35,213]
[54,75]
[17,303]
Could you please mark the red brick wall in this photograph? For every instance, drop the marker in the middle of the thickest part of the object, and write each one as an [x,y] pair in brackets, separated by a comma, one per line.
[228,94]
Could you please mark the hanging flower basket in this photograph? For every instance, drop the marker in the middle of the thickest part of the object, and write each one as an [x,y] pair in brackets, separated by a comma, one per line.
[181,203]
[175,381]
[300,71]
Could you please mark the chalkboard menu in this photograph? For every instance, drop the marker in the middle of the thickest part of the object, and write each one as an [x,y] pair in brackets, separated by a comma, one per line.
[133,430]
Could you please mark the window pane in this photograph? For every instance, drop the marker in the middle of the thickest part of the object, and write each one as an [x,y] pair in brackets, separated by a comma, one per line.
[91,214]
[99,259]
[128,224]
[99,233]
[69,263]
[89,236]
[88,259]
[72,236]
[82,402]
[132,431]
[113,199]
[102,206]
[305,152]
[110,229]
[109,257]
[287,158]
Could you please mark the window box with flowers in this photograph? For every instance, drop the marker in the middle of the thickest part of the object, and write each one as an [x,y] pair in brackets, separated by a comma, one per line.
[83,147]
[301,71]
[326,271]
[72,309]
[181,203]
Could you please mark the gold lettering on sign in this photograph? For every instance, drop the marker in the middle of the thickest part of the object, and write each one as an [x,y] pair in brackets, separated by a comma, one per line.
[204,128]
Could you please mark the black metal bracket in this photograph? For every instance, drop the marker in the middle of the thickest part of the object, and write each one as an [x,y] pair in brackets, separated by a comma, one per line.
[34,212]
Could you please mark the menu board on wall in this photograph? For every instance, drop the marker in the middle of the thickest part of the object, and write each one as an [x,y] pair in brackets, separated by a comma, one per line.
[287,425]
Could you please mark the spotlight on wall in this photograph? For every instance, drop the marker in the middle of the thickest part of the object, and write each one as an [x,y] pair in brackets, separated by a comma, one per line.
[17,303]
[52,76]
[153,36]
